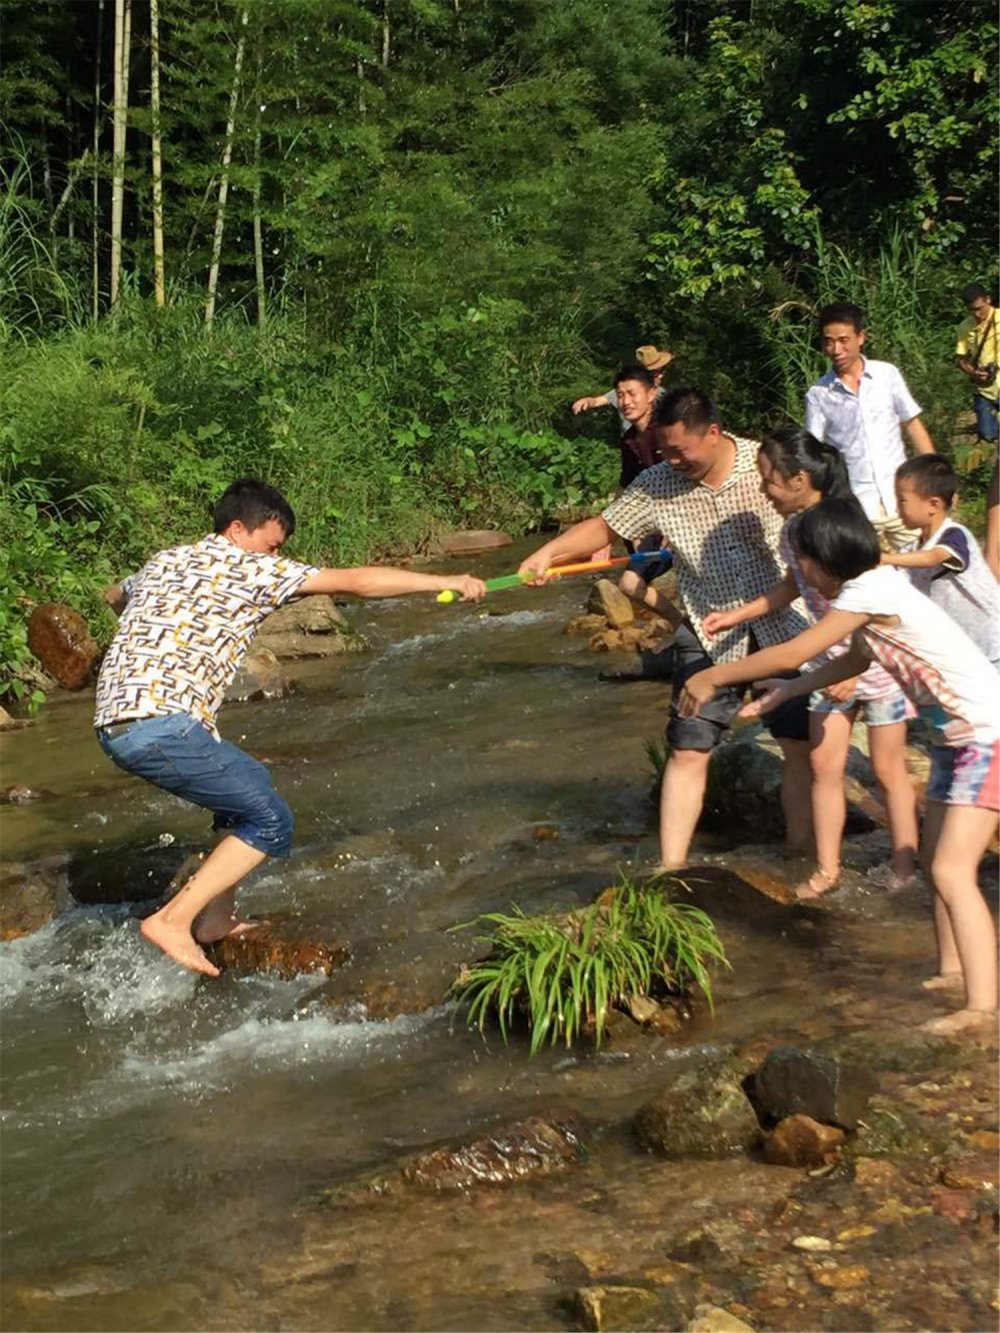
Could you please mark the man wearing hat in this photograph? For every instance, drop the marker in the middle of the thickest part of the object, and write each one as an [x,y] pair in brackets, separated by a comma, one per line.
[651,358]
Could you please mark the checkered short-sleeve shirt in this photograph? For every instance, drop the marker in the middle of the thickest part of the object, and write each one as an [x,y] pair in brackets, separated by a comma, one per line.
[189,616]
[725,545]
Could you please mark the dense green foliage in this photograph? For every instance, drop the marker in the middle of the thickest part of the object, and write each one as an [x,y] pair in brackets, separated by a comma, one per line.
[563,974]
[468,212]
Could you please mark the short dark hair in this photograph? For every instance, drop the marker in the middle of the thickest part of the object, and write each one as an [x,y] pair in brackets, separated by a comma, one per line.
[252,503]
[691,407]
[792,449]
[932,476]
[838,536]
[842,312]
[636,372]
[973,292]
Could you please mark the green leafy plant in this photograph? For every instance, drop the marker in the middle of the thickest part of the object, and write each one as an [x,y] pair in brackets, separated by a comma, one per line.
[565,973]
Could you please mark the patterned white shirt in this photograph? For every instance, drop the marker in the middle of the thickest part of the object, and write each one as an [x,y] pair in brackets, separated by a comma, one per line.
[725,545]
[189,616]
[864,426]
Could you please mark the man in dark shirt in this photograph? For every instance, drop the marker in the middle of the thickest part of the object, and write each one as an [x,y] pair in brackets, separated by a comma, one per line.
[636,389]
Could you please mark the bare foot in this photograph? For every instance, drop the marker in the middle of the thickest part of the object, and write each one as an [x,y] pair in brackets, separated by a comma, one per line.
[943,981]
[210,932]
[963,1020]
[177,943]
[819,883]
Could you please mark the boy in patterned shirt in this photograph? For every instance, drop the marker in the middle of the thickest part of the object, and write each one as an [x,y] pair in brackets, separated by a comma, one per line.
[187,618]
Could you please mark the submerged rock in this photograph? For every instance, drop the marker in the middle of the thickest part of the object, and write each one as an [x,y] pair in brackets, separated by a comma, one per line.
[260,677]
[279,945]
[61,640]
[537,1146]
[807,1082]
[8,723]
[714,1319]
[798,1140]
[19,794]
[32,893]
[704,1114]
[609,1309]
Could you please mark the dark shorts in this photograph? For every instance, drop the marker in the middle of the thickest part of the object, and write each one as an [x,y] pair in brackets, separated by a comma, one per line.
[648,570]
[986,417]
[790,722]
[180,754]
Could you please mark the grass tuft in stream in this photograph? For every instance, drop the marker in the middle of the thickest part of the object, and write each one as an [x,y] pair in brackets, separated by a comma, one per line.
[564,974]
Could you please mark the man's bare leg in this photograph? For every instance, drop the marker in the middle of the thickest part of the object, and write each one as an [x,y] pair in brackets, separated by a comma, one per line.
[171,927]
[796,797]
[681,798]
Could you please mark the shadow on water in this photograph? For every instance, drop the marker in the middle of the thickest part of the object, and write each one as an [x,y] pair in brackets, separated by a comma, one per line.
[165,1139]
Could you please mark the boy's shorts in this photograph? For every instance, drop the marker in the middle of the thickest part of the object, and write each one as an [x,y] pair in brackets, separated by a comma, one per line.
[179,754]
[790,722]
[882,712]
[965,775]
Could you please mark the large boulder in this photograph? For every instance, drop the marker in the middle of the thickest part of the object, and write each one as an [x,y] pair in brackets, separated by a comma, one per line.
[61,640]
[794,1081]
[32,893]
[702,1114]
[606,599]
[527,1149]
[308,627]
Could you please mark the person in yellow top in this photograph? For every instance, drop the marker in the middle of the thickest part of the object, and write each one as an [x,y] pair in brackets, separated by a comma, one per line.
[977,349]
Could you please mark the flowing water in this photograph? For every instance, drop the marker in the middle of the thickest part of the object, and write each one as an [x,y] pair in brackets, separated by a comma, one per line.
[165,1138]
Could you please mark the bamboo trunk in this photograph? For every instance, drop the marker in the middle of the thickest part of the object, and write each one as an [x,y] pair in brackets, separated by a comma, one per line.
[159,279]
[258,231]
[123,28]
[227,156]
[95,250]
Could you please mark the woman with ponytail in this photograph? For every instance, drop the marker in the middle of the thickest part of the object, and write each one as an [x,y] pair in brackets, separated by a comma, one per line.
[797,471]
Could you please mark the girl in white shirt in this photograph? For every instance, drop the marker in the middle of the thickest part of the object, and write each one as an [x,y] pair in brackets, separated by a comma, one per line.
[954,688]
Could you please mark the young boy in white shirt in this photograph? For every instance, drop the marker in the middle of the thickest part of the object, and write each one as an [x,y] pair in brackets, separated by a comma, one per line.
[948,565]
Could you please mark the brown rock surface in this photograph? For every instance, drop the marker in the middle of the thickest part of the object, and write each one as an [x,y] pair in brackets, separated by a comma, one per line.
[60,639]
[260,677]
[799,1140]
[32,893]
[607,600]
[475,539]
[279,945]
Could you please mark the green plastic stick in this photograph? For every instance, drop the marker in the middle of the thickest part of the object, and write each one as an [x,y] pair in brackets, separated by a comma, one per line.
[492,585]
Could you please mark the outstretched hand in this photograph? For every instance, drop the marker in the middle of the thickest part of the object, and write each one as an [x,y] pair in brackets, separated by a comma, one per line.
[534,569]
[468,588]
[775,692]
[717,621]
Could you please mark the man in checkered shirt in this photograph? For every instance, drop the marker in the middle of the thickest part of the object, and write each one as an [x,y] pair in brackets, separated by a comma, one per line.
[705,499]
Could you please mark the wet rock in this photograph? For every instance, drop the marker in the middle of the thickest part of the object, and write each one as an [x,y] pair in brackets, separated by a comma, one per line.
[123,873]
[19,794]
[61,640]
[588,624]
[607,1309]
[527,1149]
[381,998]
[713,1319]
[260,677]
[8,723]
[793,1081]
[279,945]
[472,540]
[813,1244]
[629,639]
[892,1128]
[846,1278]
[704,1113]
[308,627]
[800,1141]
[32,893]
[606,599]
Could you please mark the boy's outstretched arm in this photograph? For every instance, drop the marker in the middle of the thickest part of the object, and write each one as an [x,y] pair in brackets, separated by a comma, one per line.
[788,656]
[937,555]
[387,581]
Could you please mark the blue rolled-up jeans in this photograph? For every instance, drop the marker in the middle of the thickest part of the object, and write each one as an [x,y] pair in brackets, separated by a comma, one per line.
[179,754]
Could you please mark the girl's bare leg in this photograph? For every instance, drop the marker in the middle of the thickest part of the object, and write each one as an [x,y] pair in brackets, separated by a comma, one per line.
[795,797]
[960,834]
[887,747]
[829,740]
